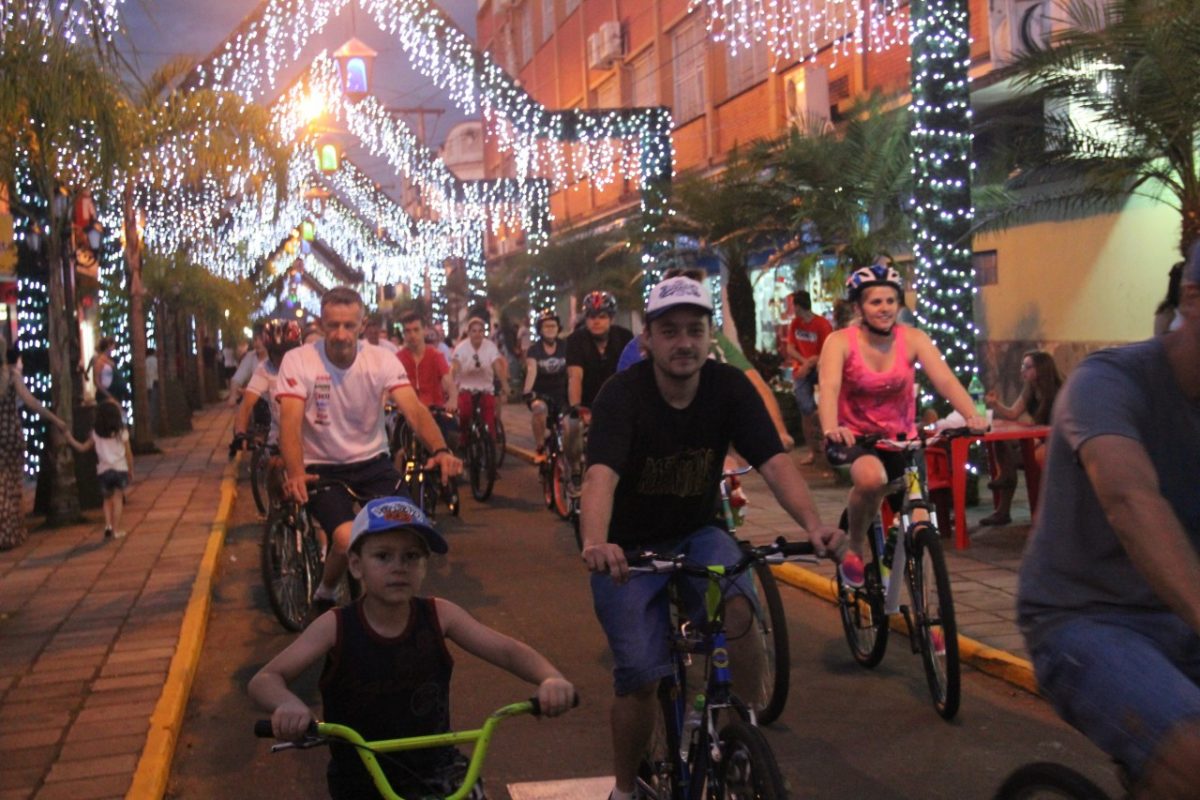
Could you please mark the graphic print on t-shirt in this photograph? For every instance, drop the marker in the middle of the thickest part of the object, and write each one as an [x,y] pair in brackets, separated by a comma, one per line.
[322,389]
[683,474]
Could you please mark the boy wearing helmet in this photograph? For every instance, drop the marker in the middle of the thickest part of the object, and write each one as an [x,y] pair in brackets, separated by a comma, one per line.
[387,668]
[593,352]
[867,376]
[545,390]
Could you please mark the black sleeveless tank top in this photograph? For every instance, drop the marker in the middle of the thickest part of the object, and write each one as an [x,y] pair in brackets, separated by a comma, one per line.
[387,689]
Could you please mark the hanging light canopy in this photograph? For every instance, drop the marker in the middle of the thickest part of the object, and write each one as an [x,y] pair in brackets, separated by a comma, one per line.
[355,60]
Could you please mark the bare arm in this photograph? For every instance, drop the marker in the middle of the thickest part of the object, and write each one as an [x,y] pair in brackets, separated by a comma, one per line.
[555,693]
[574,385]
[242,421]
[269,687]
[1126,486]
[500,370]
[448,388]
[427,430]
[291,416]
[792,493]
[595,514]
[530,375]
[833,360]
[943,379]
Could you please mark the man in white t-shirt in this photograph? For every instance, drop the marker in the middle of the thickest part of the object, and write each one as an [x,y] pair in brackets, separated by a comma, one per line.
[476,366]
[373,334]
[331,422]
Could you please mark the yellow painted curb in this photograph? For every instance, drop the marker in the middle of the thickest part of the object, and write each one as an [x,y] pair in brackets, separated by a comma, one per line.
[522,453]
[154,766]
[997,663]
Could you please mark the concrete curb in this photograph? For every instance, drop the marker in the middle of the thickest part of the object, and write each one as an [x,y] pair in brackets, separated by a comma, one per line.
[154,766]
[997,663]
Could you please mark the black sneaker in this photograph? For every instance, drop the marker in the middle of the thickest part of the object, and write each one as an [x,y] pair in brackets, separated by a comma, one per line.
[108,533]
[319,606]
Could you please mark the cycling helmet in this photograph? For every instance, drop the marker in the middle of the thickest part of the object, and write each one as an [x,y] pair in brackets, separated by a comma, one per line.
[547,316]
[874,275]
[280,336]
[597,303]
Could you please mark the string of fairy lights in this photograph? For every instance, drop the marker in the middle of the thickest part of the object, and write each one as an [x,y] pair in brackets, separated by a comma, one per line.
[799,29]
[73,20]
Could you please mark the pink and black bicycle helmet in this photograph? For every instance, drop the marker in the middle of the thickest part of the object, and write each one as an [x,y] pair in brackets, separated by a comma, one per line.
[873,275]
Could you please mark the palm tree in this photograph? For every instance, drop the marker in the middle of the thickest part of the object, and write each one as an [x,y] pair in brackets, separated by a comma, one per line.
[222,136]
[577,263]
[59,123]
[1133,67]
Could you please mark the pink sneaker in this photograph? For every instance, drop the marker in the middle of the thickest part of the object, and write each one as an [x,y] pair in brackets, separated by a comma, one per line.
[852,571]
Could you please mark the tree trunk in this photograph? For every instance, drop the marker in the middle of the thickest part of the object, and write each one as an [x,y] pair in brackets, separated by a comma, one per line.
[64,495]
[201,378]
[143,436]
[166,366]
[741,302]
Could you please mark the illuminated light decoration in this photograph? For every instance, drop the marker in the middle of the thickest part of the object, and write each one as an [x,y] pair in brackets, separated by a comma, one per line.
[355,60]
[942,211]
[73,21]
[314,198]
[327,156]
[33,341]
[798,29]
[308,231]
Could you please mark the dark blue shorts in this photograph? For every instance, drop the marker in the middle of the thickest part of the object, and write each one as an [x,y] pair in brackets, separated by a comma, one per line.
[334,506]
[112,481]
[1124,679]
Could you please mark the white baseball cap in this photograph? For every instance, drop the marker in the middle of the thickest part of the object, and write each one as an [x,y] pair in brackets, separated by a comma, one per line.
[676,292]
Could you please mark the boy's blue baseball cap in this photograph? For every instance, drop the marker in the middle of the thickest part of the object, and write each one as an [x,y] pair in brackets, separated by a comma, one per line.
[394,513]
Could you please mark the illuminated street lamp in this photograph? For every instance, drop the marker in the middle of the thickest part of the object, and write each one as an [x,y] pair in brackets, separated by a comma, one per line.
[327,155]
[355,60]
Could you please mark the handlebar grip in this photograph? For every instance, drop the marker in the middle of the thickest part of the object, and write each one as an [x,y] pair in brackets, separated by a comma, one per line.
[795,548]
[263,729]
[537,705]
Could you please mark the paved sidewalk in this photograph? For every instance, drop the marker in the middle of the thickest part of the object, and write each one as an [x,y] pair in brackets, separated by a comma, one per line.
[89,628]
[984,575]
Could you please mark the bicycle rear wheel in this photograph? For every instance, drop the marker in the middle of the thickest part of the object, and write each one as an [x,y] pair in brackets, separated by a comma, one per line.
[481,467]
[933,616]
[863,619]
[1045,779]
[259,462]
[747,769]
[657,772]
[501,440]
[291,567]
[771,632]
[561,480]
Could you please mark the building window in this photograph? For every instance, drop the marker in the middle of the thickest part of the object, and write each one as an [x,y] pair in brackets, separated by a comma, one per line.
[645,80]
[548,25]
[689,42]
[746,68]
[571,6]
[525,31]
[987,268]
[608,94]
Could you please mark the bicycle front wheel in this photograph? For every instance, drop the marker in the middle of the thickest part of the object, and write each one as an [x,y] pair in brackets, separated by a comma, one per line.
[747,769]
[863,619]
[501,440]
[657,772]
[1045,779]
[561,480]
[288,569]
[770,630]
[933,616]
[481,455]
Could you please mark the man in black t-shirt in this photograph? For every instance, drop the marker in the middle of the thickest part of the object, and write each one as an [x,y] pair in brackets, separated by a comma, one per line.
[593,351]
[659,434]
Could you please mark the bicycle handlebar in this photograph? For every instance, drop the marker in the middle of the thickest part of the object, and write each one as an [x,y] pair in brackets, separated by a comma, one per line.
[777,552]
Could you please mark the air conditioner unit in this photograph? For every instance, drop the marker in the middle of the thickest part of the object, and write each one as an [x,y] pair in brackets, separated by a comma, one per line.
[604,46]
[806,97]
[1017,26]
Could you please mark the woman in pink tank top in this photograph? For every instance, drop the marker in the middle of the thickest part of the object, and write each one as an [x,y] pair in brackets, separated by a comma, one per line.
[867,387]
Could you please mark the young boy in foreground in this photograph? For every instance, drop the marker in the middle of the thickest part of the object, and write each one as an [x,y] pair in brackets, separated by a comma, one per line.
[387,669]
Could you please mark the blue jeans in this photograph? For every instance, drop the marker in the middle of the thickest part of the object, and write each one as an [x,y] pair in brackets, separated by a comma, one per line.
[1124,679]
[636,616]
[803,389]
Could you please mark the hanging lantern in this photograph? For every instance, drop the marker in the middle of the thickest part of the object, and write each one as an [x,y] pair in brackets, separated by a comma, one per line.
[354,65]
[308,230]
[328,158]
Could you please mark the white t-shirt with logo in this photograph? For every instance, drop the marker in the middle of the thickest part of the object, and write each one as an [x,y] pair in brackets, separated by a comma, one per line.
[343,408]
[262,383]
[475,365]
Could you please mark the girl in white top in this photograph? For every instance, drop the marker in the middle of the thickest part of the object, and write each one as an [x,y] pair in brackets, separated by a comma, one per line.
[114,463]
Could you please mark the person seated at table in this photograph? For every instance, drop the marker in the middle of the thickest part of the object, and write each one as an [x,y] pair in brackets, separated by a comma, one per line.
[1040,382]
[866,377]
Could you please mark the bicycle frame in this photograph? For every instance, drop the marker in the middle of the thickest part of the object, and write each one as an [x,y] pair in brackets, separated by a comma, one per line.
[480,739]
